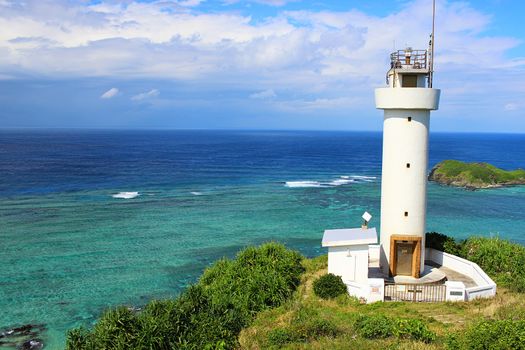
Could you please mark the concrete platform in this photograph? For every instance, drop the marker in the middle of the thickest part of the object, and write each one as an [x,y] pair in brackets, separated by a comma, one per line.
[431,274]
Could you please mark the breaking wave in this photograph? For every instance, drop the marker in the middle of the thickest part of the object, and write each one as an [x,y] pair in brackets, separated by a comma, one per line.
[302,184]
[196,193]
[342,180]
[126,195]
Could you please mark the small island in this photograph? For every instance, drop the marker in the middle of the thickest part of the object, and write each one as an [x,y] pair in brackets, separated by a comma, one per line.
[474,175]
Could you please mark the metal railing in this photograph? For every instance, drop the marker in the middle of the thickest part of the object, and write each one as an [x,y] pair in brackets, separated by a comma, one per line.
[415,292]
[408,58]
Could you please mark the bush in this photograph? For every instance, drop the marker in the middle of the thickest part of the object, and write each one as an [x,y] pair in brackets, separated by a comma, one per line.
[414,329]
[490,334]
[208,315]
[302,330]
[501,259]
[281,336]
[443,243]
[329,286]
[375,326]
[380,326]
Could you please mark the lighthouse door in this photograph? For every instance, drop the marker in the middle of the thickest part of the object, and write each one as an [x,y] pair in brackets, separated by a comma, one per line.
[404,256]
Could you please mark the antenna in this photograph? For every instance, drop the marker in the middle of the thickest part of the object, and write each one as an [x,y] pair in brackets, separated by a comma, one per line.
[431,76]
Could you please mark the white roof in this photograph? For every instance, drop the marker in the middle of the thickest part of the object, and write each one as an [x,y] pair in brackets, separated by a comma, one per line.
[349,236]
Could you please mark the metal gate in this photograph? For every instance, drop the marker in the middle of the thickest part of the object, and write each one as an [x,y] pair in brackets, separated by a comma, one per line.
[415,292]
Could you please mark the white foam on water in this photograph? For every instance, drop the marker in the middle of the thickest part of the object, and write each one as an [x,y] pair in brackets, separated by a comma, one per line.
[126,195]
[339,182]
[196,193]
[302,184]
[342,180]
[362,177]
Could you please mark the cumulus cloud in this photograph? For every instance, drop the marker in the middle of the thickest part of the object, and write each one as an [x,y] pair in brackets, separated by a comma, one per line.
[110,93]
[265,94]
[146,95]
[264,2]
[511,106]
[309,56]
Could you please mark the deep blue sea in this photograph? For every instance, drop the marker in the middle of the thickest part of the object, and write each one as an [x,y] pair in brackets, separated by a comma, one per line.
[93,219]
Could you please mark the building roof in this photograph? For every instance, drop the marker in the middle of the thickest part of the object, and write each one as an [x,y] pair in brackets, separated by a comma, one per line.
[349,237]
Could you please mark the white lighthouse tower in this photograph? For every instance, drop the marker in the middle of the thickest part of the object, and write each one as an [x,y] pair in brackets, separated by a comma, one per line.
[407,102]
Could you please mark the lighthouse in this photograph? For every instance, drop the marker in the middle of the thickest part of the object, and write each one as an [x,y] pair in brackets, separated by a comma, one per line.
[407,101]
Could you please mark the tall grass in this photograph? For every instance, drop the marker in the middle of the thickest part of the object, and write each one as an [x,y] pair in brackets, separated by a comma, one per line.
[209,314]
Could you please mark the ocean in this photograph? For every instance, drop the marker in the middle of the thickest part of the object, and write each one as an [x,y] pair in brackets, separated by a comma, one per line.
[97,218]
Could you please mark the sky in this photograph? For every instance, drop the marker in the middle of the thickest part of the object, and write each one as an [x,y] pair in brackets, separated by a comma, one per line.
[253,64]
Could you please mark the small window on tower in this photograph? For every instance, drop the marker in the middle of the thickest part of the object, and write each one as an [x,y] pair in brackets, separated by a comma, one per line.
[406,213]
[409,119]
[408,165]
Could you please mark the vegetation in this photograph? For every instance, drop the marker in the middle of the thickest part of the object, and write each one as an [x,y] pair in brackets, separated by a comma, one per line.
[496,323]
[490,334]
[381,326]
[329,286]
[444,243]
[209,314]
[266,298]
[475,175]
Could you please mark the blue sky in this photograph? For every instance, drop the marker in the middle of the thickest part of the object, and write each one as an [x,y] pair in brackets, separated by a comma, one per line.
[259,64]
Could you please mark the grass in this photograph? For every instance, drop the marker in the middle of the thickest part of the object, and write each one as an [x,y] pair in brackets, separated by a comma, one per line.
[475,175]
[277,328]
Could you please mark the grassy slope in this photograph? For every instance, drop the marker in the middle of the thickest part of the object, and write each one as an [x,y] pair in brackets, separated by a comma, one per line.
[476,175]
[441,318]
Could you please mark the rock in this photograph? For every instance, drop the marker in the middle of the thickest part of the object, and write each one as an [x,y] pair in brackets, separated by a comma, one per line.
[25,337]
[32,344]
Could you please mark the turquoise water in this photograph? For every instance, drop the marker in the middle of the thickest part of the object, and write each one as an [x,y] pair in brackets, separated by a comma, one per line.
[70,249]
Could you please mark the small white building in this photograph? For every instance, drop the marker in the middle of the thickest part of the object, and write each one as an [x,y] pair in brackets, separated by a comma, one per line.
[348,252]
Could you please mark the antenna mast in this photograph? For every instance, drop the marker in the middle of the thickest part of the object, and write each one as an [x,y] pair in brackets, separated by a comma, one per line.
[431,76]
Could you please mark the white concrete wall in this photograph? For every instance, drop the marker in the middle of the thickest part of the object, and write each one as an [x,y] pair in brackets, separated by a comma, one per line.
[486,287]
[404,189]
[455,291]
[407,98]
[372,290]
[374,251]
[349,262]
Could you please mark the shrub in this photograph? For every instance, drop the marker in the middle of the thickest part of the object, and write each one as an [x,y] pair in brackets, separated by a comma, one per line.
[318,328]
[381,326]
[375,326]
[414,329]
[281,336]
[443,243]
[208,315]
[501,259]
[329,286]
[490,334]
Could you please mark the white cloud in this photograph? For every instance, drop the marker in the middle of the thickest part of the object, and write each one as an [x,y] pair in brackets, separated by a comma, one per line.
[511,107]
[264,2]
[265,94]
[310,57]
[146,95]
[110,93]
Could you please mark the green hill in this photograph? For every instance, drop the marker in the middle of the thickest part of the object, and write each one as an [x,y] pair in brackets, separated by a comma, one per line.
[475,175]
[270,297]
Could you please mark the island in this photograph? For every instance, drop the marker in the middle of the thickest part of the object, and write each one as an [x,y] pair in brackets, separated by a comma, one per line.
[475,175]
